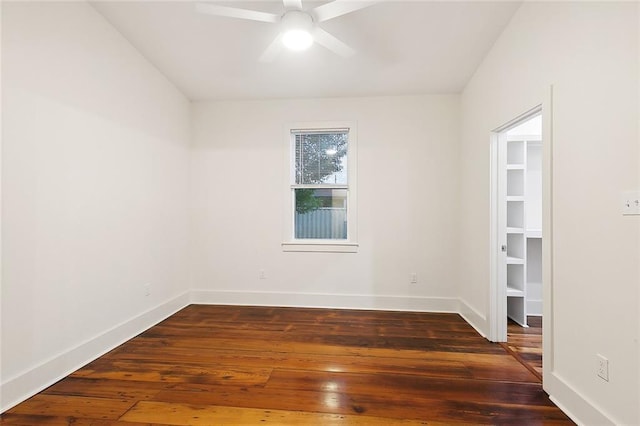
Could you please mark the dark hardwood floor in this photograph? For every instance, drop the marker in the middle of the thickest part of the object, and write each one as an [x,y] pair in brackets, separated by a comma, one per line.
[526,344]
[230,365]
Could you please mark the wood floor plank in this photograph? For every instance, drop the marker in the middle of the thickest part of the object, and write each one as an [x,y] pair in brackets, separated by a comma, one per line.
[498,368]
[381,403]
[307,342]
[187,414]
[74,406]
[105,388]
[409,386]
[45,420]
[481,365]
[254,365]
[170,372]
[525,344]
[429,366]
[293,347]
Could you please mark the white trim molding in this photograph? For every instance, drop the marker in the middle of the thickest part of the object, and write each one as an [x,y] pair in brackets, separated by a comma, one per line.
[319,300]
[573,404]
[327,247]
[474,318]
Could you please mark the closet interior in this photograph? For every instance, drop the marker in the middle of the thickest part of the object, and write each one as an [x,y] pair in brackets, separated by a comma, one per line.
[524,221]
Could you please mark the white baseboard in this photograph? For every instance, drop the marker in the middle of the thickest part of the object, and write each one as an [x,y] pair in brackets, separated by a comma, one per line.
[318,300]
[474,318]
[579,409]
[534,307]
[19,388]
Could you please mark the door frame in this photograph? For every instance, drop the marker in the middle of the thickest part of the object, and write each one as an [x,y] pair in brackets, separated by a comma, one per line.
[497,315]
[498,213]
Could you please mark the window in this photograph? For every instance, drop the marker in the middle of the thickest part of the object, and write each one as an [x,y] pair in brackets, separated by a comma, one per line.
[321,188]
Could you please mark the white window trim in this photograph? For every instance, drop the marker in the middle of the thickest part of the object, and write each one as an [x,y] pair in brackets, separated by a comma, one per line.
[291,244]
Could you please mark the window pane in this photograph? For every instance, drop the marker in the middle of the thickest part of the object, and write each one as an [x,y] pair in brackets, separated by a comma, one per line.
[321,213]
[321,157]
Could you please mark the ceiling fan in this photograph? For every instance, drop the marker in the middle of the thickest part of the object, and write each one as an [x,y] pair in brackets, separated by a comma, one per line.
[299,27]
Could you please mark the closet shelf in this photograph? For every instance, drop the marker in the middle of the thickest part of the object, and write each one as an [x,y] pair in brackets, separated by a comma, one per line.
[514,292]
[533,233]
[525,138]
[522,194]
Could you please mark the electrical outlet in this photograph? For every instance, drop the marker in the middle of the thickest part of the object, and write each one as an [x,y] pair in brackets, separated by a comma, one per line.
[631,203]
[414,278]
[602,367]
[147,289]
[262,274]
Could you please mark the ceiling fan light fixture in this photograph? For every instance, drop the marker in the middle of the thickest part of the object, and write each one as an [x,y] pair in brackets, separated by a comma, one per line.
[296,34]
[297,40]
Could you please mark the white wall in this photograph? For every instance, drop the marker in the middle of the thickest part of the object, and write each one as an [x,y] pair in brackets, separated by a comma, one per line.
[407,204]
[94,186]
[589,52]
[1,133]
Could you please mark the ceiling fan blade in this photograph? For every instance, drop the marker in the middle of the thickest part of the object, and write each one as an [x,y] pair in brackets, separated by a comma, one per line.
[330,42]
[272,50]
[234,12]
[338,8]
[292,4]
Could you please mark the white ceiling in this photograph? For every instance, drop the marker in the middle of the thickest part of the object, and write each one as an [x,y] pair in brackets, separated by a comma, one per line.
[403,47]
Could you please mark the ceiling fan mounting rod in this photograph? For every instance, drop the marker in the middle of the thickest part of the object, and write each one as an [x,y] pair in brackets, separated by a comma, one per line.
[297,19]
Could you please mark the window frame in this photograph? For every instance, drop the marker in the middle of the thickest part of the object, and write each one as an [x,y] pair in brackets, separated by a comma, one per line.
[292,244]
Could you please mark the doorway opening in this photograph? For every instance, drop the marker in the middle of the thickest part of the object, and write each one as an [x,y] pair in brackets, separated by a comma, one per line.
[517,238]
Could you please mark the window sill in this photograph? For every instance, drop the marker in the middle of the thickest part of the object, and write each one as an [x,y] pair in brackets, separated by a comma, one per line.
[320,246]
